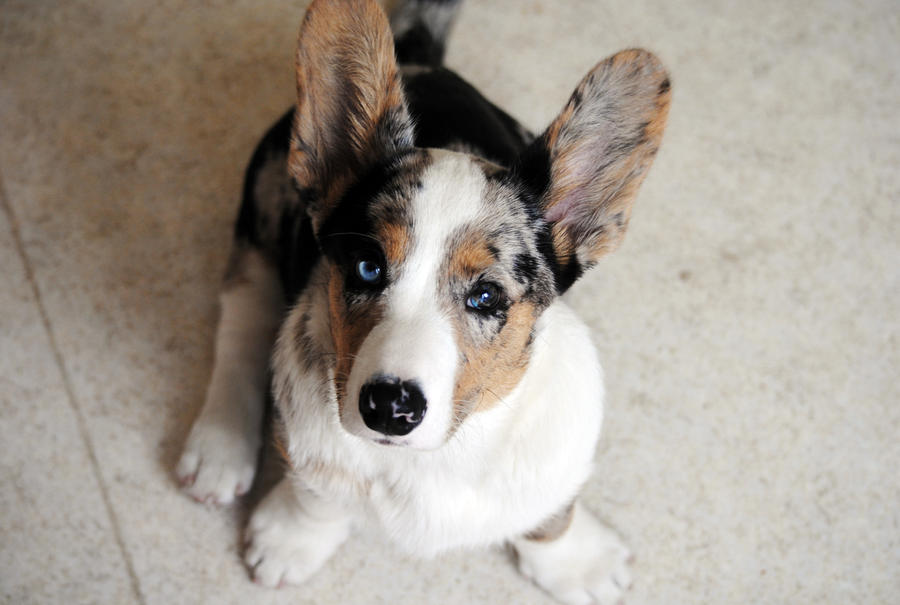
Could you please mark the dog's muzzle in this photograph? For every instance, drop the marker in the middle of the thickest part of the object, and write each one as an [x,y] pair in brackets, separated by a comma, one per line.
[391,406]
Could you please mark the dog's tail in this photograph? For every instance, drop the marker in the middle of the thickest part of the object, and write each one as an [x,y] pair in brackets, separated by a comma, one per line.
[420,30]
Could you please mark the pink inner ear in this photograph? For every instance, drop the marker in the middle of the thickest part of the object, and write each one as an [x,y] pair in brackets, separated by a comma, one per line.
[562,209]
[576,174]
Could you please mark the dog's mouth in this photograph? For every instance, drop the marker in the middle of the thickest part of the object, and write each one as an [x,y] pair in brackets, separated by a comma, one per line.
[387,442]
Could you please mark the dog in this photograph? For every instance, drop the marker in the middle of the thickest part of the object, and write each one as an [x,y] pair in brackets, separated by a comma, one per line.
[394,284]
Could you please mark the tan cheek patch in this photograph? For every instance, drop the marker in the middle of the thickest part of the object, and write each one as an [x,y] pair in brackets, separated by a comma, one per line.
[491,371]
[349,328]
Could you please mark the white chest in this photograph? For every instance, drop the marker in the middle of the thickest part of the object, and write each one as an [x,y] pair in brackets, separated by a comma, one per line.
[503,472]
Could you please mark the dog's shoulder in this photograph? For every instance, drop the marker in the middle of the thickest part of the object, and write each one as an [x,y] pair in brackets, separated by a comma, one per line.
[272,217]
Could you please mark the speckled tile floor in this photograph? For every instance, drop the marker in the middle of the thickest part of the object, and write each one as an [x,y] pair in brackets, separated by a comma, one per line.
[748,326]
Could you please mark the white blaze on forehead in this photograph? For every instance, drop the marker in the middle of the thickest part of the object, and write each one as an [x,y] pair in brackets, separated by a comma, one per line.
[415,339]
[450,197]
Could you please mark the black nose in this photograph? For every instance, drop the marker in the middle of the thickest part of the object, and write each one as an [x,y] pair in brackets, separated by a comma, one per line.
[390,406]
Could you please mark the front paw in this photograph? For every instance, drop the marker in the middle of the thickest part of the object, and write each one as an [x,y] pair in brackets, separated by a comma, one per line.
[285,544]
[218,462]
[587,565]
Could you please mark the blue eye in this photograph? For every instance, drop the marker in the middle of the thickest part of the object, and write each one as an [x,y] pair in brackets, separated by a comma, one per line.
[483,297]
[368,271]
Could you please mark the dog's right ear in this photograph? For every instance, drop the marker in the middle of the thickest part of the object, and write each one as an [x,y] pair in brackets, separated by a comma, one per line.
[351,112]
[585,169]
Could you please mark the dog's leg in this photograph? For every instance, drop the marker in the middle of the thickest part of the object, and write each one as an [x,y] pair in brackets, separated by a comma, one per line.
[219,460]
[576,559]
[292,533]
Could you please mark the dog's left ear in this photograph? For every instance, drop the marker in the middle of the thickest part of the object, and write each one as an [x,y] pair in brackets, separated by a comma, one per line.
[585,169]
[351,111]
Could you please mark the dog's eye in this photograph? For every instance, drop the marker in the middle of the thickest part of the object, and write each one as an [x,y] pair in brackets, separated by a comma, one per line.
[483,297]
[369,271]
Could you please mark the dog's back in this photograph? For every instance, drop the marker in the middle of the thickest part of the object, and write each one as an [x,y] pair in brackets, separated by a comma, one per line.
[449,113]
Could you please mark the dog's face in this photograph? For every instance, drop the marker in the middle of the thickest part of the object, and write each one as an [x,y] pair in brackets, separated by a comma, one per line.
[436,279]
[440,263]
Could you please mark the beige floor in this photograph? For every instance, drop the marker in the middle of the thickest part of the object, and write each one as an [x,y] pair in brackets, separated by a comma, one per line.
[748,327]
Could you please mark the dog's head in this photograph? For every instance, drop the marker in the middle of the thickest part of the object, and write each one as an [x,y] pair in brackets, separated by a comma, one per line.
[441,263]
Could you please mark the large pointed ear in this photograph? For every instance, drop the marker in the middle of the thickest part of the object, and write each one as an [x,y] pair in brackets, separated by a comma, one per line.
[585,169]
[351,112]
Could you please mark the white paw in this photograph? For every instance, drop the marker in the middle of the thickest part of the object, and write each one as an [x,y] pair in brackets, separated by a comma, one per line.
[285,545]
[587,565]
[218,462]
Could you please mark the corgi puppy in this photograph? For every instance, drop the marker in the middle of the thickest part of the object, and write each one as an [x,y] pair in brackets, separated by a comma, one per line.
[394,283]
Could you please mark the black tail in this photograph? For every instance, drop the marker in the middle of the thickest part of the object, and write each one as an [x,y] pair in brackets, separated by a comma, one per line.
[420,30]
